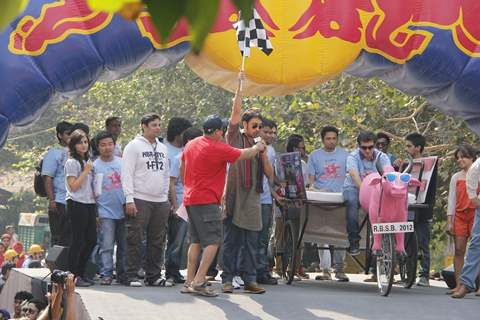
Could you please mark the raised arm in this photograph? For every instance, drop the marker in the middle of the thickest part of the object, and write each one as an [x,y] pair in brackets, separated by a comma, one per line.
[235,116]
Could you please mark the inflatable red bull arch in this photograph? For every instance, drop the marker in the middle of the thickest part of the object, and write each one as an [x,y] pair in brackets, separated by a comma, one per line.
[56,50]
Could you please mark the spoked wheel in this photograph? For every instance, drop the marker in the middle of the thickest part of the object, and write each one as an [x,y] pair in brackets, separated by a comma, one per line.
[289,255]
[408,265]
[385,265]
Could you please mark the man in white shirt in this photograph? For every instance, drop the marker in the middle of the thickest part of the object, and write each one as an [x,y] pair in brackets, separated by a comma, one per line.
[145,182]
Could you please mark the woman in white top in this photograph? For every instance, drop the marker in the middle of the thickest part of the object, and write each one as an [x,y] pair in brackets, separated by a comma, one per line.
[80,205]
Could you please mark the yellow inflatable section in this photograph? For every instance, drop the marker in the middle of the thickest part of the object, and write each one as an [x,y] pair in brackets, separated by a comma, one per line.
[295,63]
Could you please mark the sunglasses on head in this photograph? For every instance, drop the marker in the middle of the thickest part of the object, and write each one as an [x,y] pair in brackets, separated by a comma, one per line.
[367,147]
[256,125]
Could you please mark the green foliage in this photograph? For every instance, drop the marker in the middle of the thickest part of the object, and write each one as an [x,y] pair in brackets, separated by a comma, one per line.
[166,14]
[352,104]
[9,10]
[24,201]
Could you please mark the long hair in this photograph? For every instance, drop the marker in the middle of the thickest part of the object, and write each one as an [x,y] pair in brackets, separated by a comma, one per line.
[75,139]
[293,142]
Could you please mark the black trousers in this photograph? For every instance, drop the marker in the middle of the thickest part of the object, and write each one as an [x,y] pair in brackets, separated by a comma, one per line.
[60,230]
[84,235]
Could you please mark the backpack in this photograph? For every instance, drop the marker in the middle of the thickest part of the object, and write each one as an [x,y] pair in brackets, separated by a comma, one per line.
[38,183]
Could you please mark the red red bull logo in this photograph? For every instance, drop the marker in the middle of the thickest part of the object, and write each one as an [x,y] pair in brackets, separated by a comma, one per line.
[56,22]
[392,29]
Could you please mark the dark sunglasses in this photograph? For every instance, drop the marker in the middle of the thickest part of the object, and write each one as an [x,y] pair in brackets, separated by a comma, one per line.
[29,310]
[367,147]
[255,126]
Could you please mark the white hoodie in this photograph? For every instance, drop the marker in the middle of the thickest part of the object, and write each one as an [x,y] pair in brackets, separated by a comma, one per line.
[145,171]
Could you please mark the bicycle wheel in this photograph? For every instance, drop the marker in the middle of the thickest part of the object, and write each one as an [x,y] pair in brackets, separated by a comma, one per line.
[408,265]
[385,265]
[290,253]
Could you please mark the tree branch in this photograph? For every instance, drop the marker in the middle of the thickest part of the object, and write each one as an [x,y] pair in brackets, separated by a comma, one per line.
[412,116]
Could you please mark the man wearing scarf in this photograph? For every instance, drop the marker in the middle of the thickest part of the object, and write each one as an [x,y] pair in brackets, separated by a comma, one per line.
[242,200]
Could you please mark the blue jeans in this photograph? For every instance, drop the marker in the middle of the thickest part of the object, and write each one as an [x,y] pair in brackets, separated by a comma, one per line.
[471,268]
[113,231]
[353,205]
[238,240]
[177,234]
[262,243]
[423,230]
[339,260]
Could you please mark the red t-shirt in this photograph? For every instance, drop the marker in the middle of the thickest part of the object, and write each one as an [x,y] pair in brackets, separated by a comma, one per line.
[205,162]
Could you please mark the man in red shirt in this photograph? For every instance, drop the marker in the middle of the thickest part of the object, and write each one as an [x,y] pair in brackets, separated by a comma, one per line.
[204,168]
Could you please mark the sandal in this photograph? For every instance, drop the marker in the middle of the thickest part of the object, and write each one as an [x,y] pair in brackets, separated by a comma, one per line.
[204,290]
[186,288]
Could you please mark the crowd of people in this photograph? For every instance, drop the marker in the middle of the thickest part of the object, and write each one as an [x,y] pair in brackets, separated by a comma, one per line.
[133,210]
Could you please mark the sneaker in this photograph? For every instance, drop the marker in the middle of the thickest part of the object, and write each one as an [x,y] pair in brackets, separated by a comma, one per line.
[254,288]
[373,278]
[80,282]
[176,278]
[227,287]
[267,279]
[354,248]
[423,282]
[341,277]
[325,276]
[239,280]
[160,282]
[235,284]
[171,281]
[134,283]
[106,281]
[141,273]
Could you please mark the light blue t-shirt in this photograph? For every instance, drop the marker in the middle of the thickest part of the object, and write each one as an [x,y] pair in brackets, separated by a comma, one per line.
[110,202]
[266,196]
[174,154]
[53,166]
[328,169]
[355,161]
[175,173]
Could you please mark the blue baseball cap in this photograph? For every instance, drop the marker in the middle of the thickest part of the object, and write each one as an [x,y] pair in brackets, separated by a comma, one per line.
[214,122]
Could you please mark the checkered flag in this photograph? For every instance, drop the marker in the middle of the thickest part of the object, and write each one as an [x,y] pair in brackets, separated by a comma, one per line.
[252,35]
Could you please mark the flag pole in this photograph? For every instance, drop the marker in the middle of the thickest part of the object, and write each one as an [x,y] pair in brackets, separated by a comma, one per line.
[242,67]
